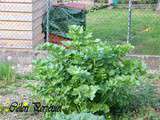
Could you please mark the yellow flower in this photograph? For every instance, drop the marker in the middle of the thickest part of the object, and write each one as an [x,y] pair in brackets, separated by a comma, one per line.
[7,110]
[147,29]
[25,104]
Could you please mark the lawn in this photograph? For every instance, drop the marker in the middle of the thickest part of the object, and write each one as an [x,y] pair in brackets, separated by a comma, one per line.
[111,25]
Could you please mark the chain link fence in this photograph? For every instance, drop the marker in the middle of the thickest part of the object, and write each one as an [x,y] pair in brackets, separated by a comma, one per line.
[138,24]
[134,21]
[145,29]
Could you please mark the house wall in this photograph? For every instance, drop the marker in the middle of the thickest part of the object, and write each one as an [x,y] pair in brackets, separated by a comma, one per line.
[39,8]
[20,23]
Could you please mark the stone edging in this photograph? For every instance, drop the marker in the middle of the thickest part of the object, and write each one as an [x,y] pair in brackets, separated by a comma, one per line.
[152,61]
[22,60]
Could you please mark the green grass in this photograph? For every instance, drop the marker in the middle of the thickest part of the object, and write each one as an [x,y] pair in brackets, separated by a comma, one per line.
[111,25]
[7,78]
[7,74]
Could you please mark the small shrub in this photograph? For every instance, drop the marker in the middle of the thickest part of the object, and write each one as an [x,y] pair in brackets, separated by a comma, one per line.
[87,75]
[147,113]
[7,74]
[149,1]
[143,96]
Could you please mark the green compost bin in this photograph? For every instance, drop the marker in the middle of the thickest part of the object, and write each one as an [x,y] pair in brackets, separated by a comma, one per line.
[115,2]
[60,18]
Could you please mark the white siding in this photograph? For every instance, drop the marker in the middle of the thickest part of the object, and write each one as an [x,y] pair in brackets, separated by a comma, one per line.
[20,23]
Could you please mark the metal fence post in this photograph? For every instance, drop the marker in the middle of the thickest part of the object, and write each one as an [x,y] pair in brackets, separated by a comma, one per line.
[129,20]
[47,24]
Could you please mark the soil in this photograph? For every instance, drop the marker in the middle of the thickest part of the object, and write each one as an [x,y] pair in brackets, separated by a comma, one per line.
[20,94]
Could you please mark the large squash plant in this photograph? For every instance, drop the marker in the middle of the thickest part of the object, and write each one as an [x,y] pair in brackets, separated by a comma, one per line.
[87,74]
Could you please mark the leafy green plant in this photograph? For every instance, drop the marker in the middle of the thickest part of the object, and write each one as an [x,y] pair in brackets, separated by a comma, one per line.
[87,75]
[81,116]
[7,74]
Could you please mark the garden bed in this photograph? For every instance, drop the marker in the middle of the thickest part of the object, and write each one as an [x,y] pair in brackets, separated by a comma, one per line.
[17,91]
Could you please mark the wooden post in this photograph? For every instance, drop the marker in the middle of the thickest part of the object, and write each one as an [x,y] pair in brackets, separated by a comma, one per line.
[20,23]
